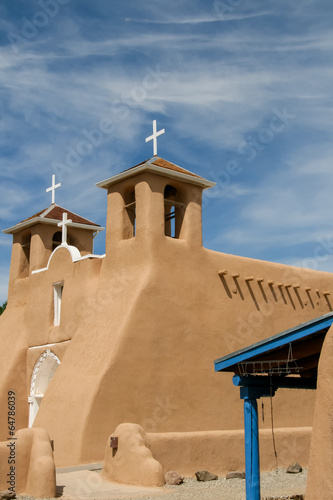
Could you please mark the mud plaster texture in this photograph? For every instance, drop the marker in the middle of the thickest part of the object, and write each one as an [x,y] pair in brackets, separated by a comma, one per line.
[141,326]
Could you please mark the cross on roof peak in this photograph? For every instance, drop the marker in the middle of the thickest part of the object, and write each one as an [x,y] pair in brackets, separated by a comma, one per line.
[53,188]
[65,222]
[154,136]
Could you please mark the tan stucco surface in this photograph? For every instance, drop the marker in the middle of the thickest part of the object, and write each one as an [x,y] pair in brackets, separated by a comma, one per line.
[32,465]
[138,455]
[145,324]
[320,480]
[132,462]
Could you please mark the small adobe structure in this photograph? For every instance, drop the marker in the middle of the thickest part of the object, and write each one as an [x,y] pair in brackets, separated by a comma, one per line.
[320,480]
[89,342]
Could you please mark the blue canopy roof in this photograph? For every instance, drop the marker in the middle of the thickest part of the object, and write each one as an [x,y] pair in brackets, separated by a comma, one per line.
[294,351]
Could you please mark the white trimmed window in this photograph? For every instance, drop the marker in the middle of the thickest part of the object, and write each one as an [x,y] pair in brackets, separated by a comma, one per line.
[57,297]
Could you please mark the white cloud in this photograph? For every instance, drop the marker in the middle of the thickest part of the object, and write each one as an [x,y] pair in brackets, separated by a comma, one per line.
[218,14]
[11,199]
[222,82]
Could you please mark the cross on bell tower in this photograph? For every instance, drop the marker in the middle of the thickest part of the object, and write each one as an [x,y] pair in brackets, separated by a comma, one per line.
[53,188]
[154,136]
[65,222]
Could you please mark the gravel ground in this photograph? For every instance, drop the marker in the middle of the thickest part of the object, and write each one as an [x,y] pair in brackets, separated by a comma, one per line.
[274,485]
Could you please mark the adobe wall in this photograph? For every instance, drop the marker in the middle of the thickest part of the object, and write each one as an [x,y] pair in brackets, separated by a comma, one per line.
[223,451]
[134,459]
[146,353]
[28,322]
[146,324]
[41,248]
[27,465]
[13,375]
[320,480]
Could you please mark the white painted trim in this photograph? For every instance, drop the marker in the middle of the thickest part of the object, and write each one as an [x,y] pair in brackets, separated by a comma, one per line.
[32,398]
[75,254]
[73,251]
[54,222]
[57,300]
[48,210]
[93,256]
[148,167]
[42,357]
[48,345]
[39,270]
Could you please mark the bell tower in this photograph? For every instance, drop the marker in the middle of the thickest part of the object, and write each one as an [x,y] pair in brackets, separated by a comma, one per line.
[152,202]
[35,238]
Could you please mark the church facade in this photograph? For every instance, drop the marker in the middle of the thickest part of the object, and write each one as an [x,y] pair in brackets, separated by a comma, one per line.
[92,341]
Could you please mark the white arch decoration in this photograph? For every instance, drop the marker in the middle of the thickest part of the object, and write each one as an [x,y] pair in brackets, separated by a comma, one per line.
[43,372]
[73,251]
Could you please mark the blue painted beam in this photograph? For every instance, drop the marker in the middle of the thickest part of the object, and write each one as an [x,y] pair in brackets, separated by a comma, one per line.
[275,382]
[250,392]
[252,467]
[277,341]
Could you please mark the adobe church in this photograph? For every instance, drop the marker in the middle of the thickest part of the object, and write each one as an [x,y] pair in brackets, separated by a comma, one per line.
[89,341]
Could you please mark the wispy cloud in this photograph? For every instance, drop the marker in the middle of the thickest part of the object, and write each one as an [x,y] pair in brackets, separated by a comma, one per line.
[217,82]
[214,17]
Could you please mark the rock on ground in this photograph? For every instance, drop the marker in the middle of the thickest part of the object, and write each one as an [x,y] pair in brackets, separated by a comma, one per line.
[294,469]
[204,475]
[235,475]
[172,477]
[7,495]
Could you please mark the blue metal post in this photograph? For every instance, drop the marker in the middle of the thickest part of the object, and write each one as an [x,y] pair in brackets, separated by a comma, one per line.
[252,471]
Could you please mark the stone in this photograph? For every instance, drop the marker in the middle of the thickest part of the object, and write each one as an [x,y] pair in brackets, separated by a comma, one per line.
[7,494]
[234,474]
[294,469]
[204,475]
[293,497]
[172,477]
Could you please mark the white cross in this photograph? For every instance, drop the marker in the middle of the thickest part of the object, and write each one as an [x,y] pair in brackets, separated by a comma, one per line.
[53,188]
[65,222]
[154,136]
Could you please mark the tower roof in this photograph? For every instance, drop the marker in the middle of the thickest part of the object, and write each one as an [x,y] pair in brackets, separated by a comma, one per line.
[158,166]
[53,215]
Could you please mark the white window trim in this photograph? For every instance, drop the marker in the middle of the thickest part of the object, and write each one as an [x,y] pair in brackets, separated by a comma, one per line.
[57,299]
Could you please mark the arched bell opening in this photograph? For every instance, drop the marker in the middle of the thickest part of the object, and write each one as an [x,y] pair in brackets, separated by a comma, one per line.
[173,212]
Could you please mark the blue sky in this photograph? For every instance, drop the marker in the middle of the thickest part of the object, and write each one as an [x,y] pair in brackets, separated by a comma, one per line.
[243,89]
